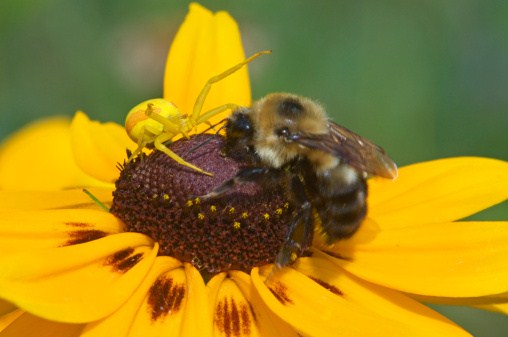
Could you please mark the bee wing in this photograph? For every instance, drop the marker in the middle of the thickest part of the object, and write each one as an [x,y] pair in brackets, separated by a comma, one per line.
[352,149]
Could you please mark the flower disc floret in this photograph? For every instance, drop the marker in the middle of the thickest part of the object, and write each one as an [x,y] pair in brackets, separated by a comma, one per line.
[159,197]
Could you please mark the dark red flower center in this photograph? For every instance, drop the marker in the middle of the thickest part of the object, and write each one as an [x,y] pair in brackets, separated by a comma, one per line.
[242,229]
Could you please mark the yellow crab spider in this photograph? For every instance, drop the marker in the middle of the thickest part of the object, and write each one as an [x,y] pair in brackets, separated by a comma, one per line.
[156,121]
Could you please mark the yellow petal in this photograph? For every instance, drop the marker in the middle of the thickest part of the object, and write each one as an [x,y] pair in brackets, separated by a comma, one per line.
[7,318]
[206,44]
[27,325]
[176,305]
[121,321]
[99,147]
[238,292]
[268,323]
[40,157]
[438,191]
[415,318]
[470,301]
[451,259]
[497,303]
[28,230]
[313,310]
[68,199]
[195,308]
[6,307]
[78,283]
[501,308]
[233,313]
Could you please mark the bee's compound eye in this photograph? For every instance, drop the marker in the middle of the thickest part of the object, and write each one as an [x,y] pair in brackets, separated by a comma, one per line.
[239,126]
[282,132]
[244,124]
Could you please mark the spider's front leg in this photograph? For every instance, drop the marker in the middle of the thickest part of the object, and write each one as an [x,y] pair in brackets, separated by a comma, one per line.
[197,117]
[159,145]
[144,138]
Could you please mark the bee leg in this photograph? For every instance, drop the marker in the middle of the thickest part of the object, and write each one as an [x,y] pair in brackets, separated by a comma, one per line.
[262,175]
[300,230]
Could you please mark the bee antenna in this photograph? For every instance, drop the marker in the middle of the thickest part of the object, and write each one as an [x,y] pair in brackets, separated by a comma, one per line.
[194,148]
[212,126]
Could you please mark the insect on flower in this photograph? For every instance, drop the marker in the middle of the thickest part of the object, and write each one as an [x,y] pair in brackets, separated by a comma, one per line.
[155,122]
[322,165]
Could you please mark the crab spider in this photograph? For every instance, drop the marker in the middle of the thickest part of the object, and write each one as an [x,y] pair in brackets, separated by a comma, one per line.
[154,122]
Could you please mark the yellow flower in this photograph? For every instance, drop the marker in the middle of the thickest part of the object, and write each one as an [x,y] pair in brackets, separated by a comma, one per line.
[70,269]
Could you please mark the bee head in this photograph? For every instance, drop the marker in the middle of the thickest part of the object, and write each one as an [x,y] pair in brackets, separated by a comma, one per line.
[239,130]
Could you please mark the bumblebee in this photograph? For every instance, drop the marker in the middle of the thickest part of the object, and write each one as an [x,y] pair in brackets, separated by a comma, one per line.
[289,139]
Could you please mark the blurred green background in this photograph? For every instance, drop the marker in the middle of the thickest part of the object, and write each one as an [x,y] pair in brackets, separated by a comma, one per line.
[424,79]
